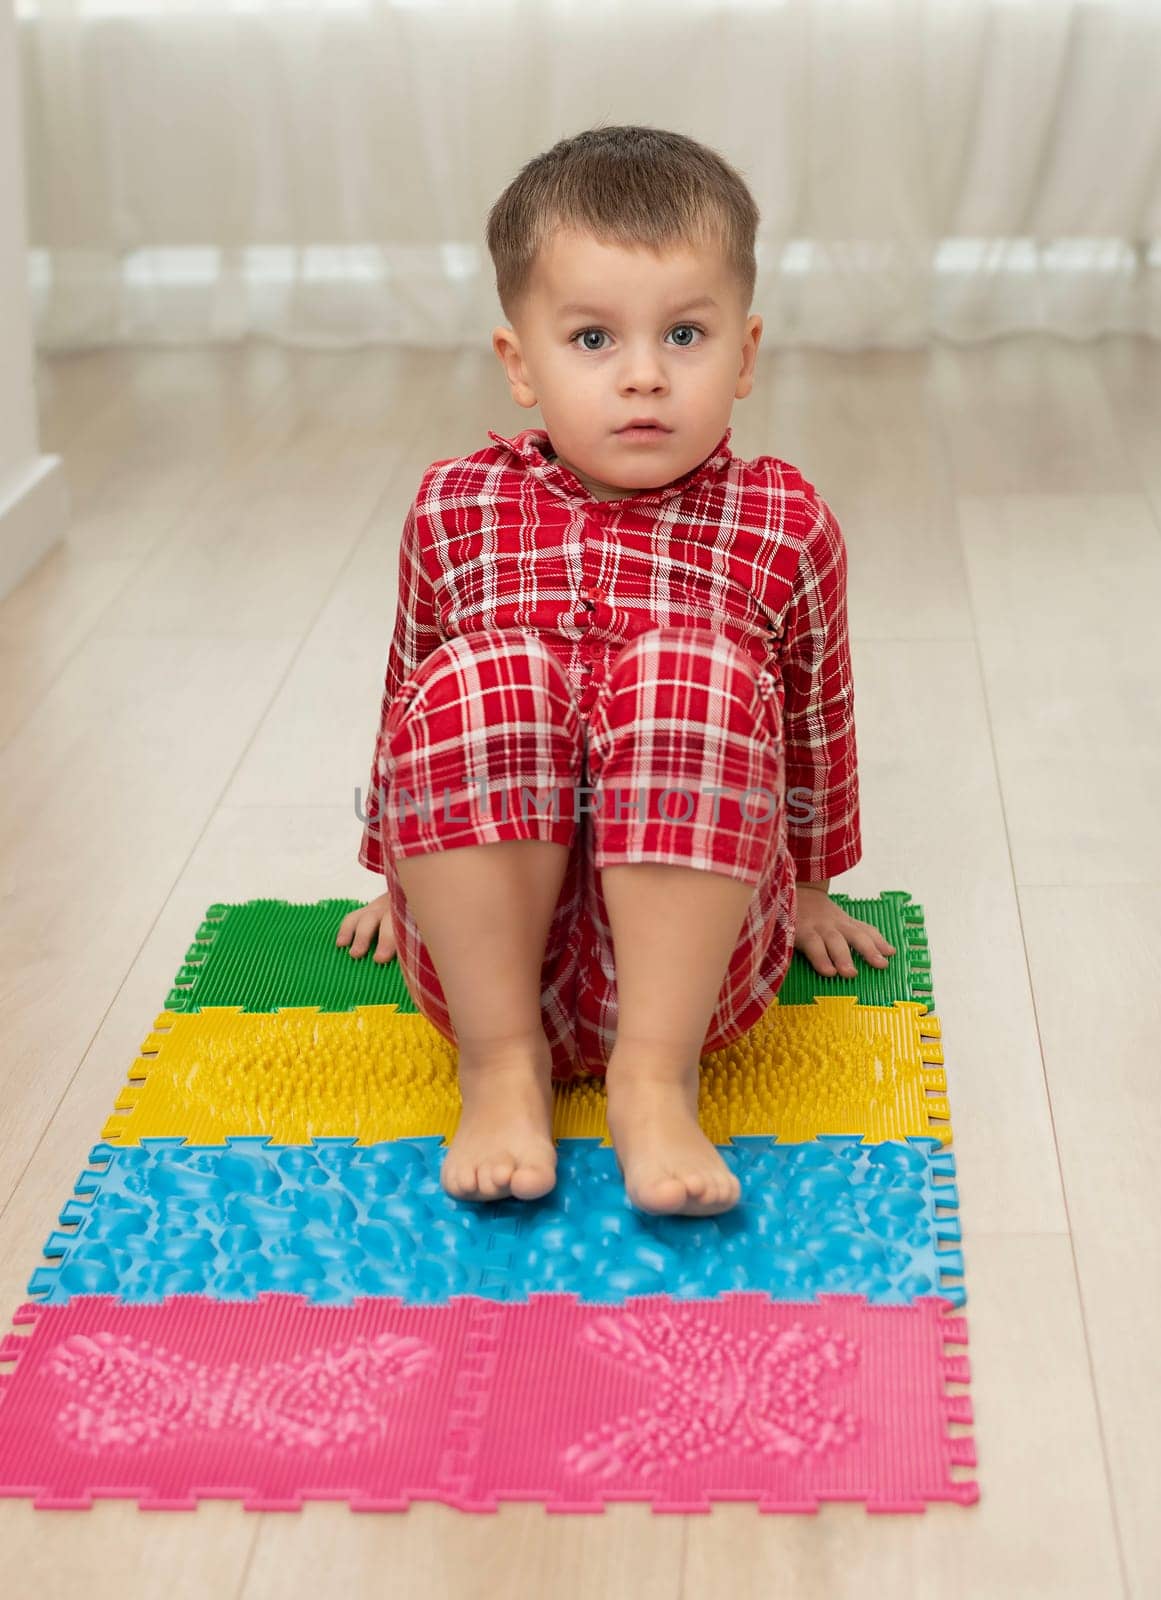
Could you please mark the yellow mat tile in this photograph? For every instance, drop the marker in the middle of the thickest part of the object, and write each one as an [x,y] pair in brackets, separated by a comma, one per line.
[376,1073]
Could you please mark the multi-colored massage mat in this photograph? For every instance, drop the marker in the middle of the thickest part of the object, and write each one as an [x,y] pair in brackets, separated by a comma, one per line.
[261,1291]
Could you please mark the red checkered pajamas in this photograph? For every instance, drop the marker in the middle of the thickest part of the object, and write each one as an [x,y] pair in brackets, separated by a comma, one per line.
[692,636]
[683,753]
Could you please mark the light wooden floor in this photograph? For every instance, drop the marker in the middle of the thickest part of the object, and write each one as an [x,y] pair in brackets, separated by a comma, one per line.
[190,691]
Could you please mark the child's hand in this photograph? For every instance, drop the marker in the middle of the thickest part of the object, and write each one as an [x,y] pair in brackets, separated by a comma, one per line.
[824,933]
[363,924]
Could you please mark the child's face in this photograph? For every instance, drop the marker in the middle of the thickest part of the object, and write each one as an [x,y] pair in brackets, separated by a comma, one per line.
[640,348]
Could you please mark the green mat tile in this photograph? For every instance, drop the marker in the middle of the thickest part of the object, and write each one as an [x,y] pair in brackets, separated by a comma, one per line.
[907,976]
[262,955]
[266,954]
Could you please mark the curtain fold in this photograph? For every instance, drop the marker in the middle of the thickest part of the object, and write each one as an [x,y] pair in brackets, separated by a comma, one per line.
[319,171]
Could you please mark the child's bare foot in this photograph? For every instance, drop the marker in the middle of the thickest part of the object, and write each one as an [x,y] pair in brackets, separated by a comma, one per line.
[667,1162]
[503,1144]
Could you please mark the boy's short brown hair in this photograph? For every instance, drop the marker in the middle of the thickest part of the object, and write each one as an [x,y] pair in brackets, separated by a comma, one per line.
[628,186]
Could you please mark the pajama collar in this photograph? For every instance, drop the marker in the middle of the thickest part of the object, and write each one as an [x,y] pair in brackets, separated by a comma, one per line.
[529,446]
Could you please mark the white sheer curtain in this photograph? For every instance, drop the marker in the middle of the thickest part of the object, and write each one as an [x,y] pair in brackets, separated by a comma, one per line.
[319,171]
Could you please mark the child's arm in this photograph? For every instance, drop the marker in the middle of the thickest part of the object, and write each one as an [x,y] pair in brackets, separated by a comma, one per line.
[823,825]
[416,635]
[823,828]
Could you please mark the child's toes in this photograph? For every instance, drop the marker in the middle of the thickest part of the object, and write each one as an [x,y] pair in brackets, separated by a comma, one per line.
[533,1179]
[495,1177]
[658,1192]
[715,1192]
[459,1179]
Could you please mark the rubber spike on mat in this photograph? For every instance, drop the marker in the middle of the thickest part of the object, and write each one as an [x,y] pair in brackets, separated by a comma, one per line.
[263,955]
[333,1221]
[277,1401]
[375,1074]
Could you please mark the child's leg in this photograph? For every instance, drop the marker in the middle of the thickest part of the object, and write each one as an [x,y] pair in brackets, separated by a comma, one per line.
[484,912]
[674,929]
[481,873]
[685,711]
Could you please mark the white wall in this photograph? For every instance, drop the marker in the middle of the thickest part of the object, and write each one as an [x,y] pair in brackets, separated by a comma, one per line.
[33,496]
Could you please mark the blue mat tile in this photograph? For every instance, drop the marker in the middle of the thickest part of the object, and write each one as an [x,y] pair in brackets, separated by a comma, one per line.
[334,1221]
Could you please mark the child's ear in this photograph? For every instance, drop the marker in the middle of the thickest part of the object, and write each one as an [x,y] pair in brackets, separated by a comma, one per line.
[506,344]
[749,357]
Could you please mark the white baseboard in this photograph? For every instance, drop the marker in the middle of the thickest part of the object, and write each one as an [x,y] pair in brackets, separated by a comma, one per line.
[34,513]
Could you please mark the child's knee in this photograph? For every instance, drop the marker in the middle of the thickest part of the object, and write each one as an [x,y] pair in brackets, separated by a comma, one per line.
[705,657]
[497,661]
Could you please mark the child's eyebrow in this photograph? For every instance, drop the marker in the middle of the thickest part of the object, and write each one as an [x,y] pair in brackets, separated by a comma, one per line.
[596,311]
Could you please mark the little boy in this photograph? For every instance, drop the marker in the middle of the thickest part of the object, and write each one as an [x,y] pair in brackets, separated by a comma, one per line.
[613,607]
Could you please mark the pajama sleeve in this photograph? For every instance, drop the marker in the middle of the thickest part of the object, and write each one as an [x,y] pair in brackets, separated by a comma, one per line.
[416,635]
[822,786]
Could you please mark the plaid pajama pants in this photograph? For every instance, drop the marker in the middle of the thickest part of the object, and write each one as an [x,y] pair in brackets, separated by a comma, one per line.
[679,758]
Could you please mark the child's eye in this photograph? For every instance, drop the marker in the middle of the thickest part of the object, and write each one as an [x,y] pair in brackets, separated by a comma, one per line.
[584,332]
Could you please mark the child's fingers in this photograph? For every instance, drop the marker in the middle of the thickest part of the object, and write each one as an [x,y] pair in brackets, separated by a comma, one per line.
[815,951]
[860,932]
[840,953]
[365,930]
[871,945]
[830,952]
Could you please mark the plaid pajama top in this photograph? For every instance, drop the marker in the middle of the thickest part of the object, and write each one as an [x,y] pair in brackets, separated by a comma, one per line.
[509,538]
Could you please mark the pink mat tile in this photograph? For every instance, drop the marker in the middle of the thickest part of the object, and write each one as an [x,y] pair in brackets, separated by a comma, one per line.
[678,1403]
